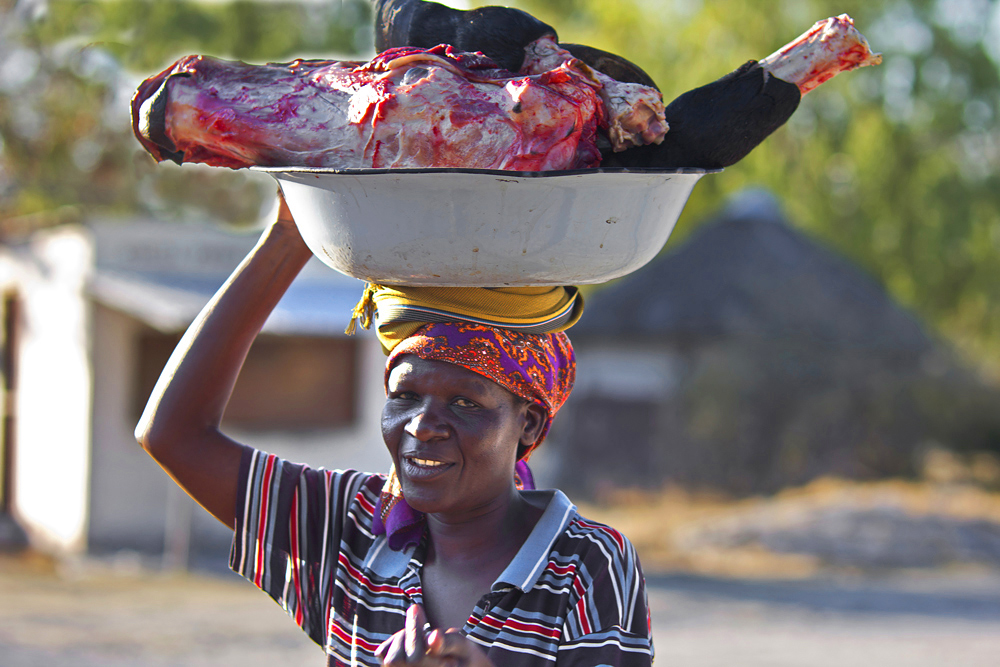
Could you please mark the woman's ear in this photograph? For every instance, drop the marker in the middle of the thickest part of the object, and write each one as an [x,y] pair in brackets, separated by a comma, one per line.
[534,421]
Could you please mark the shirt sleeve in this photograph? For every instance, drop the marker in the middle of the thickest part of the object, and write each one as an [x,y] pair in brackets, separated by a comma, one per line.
[289,522]
[609,621]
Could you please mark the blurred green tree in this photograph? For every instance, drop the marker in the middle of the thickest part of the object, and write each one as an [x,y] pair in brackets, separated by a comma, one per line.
[896,166]
[67,72]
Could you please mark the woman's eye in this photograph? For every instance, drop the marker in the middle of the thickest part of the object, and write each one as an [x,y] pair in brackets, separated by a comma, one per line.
[465,403]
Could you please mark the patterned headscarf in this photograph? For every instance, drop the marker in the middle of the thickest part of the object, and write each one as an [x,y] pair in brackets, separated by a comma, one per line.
[539,368]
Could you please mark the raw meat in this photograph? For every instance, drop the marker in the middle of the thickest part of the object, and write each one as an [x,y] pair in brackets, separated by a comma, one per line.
[438,107]
[717,125]
[827,49]
[711,127]
[407,108]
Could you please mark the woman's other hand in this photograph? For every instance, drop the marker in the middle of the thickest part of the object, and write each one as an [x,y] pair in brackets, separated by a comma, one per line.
[284,218]
[418,644]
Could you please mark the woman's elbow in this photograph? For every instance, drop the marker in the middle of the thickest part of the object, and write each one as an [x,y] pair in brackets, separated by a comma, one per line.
[147,436]
[153,434]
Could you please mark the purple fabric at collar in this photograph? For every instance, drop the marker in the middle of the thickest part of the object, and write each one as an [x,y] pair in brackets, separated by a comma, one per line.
[405,526]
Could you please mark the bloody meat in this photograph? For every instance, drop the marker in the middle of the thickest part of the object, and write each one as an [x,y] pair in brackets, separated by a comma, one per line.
[825,50]
[419,108]
[407,108]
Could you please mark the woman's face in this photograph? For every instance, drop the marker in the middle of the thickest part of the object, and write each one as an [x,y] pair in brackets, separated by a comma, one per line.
[453,436]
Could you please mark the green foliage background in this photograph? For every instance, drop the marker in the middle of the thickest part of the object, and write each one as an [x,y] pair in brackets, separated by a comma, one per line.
[897,167]
[68,69]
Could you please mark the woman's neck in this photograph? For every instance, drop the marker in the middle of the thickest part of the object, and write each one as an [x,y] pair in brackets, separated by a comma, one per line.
[496,531]
[466,555]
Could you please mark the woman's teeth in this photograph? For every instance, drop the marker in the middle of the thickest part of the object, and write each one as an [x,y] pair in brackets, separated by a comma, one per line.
[426,463]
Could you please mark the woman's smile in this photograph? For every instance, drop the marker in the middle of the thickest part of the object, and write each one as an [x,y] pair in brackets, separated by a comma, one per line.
[421,469]
[426,463]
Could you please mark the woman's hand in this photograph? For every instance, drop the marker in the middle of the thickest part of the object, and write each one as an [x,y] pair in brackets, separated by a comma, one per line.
[284,217]
[418,644]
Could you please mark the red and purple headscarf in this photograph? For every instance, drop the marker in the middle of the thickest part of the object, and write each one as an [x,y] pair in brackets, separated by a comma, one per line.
[540,368]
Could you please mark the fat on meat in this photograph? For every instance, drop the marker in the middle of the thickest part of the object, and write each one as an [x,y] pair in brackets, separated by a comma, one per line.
[407,108]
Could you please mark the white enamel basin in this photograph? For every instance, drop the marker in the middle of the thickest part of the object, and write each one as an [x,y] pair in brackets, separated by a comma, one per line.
[483,228]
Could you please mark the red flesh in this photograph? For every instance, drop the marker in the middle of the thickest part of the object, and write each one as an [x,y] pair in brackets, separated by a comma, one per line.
[465,112]
[824,51]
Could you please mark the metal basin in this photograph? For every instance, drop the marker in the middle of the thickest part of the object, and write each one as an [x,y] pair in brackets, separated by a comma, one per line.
[483,228]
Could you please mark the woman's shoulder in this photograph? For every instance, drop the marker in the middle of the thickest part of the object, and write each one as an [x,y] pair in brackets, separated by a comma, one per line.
[575,538]
[353,490]
[267,473]
[593,536]
[583,527]
[260,462]
[598,569]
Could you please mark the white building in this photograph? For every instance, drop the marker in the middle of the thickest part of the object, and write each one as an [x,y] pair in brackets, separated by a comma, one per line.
[90,315]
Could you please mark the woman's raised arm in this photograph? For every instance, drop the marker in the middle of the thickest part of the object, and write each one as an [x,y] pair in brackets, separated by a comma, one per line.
[180,425]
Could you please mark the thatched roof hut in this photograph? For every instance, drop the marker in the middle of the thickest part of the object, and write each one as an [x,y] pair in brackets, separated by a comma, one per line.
[749,273]
[751,357]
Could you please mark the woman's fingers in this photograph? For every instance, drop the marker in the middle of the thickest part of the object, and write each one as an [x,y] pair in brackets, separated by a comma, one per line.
[284,225]
[409,645]
[415,633]
[454,648]
[417,644]
[283,212]
[384,646]
[394,653]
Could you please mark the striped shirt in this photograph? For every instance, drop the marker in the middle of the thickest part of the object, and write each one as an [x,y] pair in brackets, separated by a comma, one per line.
[573,595]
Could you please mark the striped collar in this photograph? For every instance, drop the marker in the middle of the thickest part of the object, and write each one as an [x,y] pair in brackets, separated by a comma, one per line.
[523,571]
[529,563]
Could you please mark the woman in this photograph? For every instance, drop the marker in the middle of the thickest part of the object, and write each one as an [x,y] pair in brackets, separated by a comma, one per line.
[452,558]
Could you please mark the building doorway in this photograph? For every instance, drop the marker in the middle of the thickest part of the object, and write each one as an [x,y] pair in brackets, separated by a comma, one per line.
[12,537]
[9,318]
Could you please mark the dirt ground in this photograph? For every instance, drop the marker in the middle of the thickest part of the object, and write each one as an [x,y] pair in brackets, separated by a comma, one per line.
[717,593]
[101,614]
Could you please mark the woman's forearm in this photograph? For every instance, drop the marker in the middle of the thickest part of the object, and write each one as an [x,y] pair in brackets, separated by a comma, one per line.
[180,425]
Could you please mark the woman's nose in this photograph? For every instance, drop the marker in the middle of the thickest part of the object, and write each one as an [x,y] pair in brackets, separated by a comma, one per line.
[425,425]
